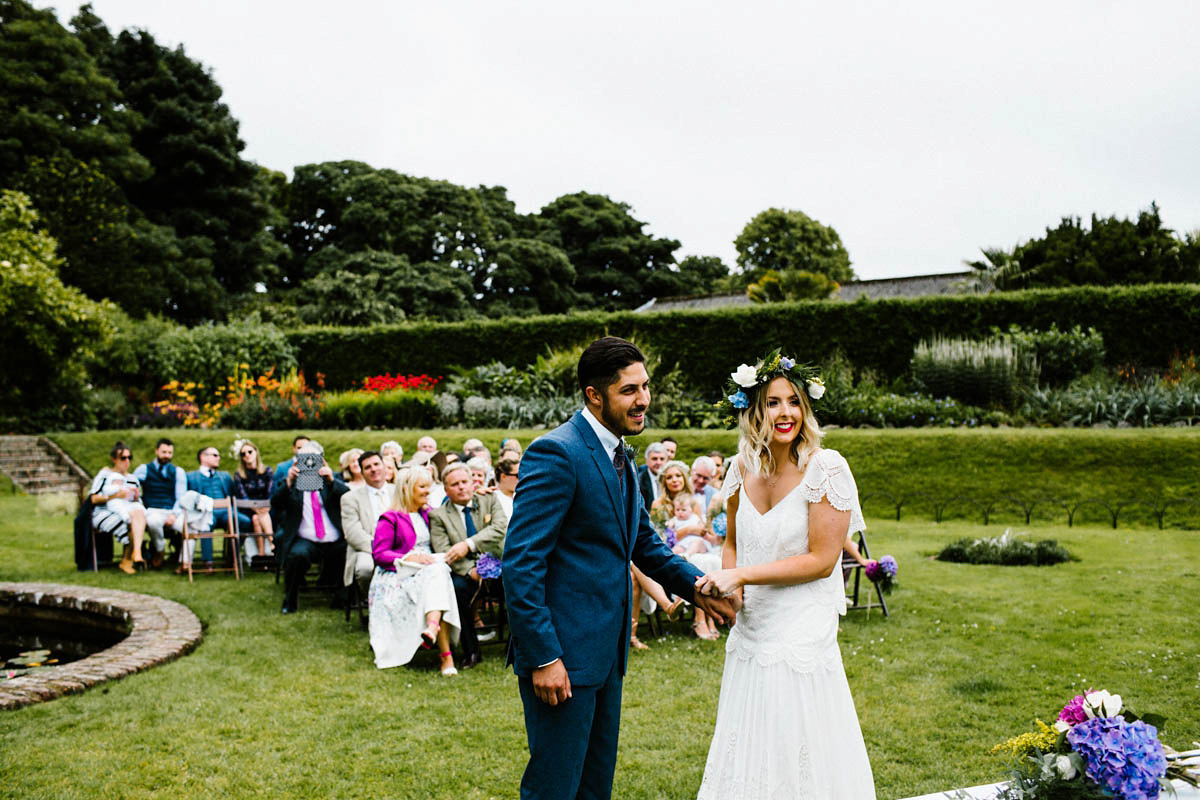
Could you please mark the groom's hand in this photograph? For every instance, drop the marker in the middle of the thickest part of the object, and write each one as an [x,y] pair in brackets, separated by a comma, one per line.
[551,683]
[723,609]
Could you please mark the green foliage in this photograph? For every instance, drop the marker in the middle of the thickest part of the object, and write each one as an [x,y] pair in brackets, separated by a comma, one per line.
[357,410]
[1105,400]
[1111,252]
[1062,356]
[1005,550]
[48,327]
[795,284]
[992,373]
[209,354]
[785,241]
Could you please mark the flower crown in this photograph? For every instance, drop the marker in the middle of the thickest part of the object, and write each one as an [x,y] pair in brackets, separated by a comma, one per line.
[746,379]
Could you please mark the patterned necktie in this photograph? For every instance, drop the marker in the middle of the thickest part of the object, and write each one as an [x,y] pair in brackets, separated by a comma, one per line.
[318,517]
[619,465]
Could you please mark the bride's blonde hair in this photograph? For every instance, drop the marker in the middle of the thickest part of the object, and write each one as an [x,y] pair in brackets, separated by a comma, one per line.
[755,432]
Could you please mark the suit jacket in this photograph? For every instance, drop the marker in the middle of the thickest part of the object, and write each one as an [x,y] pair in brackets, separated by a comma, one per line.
[446,529]
[358,526]
[646,485]
[567,554]
[288,502]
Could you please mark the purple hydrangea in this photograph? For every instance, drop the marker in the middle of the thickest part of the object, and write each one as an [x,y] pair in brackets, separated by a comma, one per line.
[672,540]
[889,566]
[873,570]
[488,566]
[1122,757]
[1073,712]
[739,400]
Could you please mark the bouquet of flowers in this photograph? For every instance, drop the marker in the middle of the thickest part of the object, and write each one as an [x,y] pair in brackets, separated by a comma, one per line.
[488,566]
[1096,749]
[883,572]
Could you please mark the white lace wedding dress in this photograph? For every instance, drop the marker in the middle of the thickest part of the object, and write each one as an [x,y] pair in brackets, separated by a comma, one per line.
[786,724]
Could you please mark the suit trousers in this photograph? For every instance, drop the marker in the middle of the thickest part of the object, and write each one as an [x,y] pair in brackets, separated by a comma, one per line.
[301,556]
[572,746]
[464,592]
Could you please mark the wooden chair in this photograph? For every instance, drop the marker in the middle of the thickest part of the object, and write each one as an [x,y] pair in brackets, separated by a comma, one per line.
[356,601]
[260,562]
[850,565]
[228,537]
[489,603]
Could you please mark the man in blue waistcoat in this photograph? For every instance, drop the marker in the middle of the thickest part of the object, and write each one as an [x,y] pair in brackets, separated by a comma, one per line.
[163,485]
[218,484]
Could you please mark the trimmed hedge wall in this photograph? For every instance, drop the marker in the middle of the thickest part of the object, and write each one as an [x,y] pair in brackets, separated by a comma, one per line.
[1142,325]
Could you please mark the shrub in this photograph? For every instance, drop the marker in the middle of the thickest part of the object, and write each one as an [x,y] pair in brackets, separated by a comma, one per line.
[881,409]
[517,412]
[1062,356]
[397,408]
[989,373]
[1107,400]
[1005,550]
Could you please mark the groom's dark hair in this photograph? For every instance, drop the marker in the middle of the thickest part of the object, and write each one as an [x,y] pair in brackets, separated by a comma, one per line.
[603,361]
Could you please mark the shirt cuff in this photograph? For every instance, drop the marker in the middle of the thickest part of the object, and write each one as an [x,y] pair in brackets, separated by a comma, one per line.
[548,663]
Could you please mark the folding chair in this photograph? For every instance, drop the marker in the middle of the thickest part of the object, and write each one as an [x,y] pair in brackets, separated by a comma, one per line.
[489,602]
[261,561]
[356,601]
[229,538]
[849,564]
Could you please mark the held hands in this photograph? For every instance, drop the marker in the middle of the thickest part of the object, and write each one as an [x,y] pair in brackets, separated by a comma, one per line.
[552,684]
[721,583]
[714,600]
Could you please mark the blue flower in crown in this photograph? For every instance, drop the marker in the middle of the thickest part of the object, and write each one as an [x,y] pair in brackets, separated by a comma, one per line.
[739,400]
[786,362]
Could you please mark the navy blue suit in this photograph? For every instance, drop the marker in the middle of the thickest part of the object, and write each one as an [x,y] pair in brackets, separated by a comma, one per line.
[566,580]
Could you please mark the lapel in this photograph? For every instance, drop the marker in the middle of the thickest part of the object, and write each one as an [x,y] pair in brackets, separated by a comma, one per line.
[604,465]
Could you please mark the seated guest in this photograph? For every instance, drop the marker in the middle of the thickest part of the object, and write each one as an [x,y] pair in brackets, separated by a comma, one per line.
[216,483]
[673,479]
[163,485]
[656,456]
[361,510]
[703,471]
[351,471]
[283,466]
[427,444]
[479,473]
[253,480]
[431,461]
[685,523]
[506,483]
[467,525]
[393,457]
[411,595]
[718,459]
[671,446]
[311,530]
[117,510]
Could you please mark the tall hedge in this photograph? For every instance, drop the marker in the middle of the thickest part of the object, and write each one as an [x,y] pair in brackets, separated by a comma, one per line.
[1142,325]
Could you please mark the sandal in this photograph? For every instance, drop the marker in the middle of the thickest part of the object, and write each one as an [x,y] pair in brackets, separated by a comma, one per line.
[429,636]
[675,610]
[448,671]
[634,641]
[701,631]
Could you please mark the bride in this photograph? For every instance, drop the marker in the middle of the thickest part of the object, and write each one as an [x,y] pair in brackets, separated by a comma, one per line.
[786,724]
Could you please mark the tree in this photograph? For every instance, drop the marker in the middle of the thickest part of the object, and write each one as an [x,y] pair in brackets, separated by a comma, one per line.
[531,277]
[1111,252]
[618,265]
[782,240]
[47,327]
[795,284]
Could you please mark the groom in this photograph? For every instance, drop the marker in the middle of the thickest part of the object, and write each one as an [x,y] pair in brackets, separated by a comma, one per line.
[578,520]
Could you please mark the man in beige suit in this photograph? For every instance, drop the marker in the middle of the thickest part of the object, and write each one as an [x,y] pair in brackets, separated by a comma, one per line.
[361,509]
[465,526]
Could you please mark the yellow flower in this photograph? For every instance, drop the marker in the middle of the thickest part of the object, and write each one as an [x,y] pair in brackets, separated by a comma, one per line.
[1019,746]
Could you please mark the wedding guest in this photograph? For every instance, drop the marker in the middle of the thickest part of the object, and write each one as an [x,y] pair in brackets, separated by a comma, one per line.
[479,472]
[210,480]
[361,510]
[674,481]
[718,459]
[506,483]
[117,510]
[427,444]
[163,485]
[253,480]
[393,457]
[703,471]
[282,467]
[351,472]
[311,530]
[671,446]
[656,456]
[411,595]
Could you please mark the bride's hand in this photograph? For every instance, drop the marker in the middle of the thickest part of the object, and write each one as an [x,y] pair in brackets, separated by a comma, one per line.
[721,583]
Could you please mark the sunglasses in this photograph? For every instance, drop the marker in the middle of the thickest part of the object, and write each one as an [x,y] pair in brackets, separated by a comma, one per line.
[124,456]
[245,453]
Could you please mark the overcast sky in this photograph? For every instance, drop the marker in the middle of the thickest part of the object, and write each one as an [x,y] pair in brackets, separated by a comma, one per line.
[920,130]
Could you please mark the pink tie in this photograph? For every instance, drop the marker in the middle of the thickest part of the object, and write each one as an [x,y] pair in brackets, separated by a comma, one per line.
[318,517]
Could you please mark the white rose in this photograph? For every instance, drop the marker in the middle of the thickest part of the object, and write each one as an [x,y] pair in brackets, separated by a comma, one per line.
[1061,726]
[1066,769]
[816,388]
[745,376]
[1102,704]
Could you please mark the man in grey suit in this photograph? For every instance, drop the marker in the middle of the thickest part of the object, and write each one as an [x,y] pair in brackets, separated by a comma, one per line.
[466,525]
[578,521]
[361,510]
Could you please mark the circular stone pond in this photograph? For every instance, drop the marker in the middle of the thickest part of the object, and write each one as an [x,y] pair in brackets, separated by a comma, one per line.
[149,631]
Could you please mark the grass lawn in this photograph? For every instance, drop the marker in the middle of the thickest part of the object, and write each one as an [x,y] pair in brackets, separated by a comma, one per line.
[276,706]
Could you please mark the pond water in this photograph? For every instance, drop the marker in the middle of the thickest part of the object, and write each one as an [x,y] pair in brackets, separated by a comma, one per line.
[29,641]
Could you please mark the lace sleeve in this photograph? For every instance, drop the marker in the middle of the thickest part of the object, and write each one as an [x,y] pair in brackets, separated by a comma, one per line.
[732,481]
[828,476]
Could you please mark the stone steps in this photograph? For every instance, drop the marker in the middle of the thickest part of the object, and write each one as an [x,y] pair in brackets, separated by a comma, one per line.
[36,465]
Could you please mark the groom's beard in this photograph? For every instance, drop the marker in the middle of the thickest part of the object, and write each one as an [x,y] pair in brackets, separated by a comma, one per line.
[619,422]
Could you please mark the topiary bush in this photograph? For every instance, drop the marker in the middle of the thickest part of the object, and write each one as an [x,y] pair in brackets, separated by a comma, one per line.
[1005,550]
